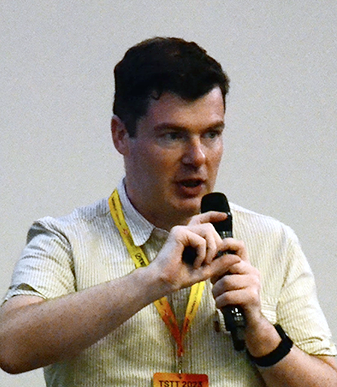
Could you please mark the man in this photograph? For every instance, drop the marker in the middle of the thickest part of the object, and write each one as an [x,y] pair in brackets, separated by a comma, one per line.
[78,307]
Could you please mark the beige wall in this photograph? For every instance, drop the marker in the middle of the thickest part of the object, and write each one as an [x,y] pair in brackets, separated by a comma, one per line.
[57,61]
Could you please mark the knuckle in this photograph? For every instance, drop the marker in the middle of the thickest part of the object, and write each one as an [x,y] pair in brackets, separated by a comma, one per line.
[241,244]
[222,300]
[176,229]
[253,297]
[194,221]
[256,276]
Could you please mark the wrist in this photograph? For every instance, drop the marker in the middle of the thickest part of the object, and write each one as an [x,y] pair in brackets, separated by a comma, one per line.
[261,336]
[157,281]
[277,354]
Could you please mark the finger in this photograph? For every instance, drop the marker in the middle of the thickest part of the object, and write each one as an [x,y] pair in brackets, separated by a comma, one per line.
[221,265]
[212,240]
[228,288]
[234,297]
[195,245]
[247,297]
[235,246]
[214,243]
[182,237]
[230,282]
[238,270]
[208,217]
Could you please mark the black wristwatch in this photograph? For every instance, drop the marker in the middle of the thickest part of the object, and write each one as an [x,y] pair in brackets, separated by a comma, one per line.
[277,354]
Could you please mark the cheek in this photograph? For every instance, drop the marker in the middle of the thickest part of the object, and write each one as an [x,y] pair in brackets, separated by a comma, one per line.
[154,162]
[160,159]
[215,157]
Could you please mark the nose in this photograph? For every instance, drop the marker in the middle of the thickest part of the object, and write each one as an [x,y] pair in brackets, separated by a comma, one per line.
[194,153]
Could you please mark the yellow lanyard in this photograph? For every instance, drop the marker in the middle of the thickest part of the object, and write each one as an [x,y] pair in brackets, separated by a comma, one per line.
[141,260]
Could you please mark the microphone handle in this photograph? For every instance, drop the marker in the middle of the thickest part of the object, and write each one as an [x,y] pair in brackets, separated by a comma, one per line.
[233,314]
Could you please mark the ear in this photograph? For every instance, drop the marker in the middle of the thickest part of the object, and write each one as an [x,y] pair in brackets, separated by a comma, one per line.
[120,135]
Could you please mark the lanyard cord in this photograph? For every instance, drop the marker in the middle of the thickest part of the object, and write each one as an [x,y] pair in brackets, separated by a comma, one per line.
[140,260]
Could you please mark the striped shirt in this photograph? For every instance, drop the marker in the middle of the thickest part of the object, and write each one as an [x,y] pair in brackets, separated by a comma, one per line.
[83,249]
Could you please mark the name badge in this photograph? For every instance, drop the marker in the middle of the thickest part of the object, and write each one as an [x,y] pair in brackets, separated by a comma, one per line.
[162,379]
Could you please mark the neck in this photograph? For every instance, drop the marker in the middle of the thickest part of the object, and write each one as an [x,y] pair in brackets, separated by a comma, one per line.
[159,219]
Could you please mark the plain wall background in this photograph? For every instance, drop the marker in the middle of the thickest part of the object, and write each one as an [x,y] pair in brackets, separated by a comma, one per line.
[57,59]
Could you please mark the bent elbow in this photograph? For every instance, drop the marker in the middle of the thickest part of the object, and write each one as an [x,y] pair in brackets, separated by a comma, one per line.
[9,367]
[13,368]
[11,363]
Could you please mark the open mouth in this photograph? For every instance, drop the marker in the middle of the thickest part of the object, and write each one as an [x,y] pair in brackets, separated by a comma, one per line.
[192,186]
[191,183]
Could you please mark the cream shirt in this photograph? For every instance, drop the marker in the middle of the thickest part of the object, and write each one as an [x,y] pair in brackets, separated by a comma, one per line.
[83,249]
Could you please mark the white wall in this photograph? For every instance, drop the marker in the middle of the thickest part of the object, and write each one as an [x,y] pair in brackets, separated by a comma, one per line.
[57,60]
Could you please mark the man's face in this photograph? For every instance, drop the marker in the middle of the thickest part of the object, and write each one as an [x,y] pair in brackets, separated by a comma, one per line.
[173,160]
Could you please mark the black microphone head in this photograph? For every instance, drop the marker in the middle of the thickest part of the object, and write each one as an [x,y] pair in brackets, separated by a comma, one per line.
[217,201]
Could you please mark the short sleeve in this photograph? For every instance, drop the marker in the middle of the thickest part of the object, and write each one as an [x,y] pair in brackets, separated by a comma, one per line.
[298,309]
[45,268]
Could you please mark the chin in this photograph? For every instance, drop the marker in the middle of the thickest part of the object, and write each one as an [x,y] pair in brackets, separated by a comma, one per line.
[189,207]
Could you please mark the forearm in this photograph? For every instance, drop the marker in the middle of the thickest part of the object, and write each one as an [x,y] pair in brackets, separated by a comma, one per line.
[50,331]
[297,368]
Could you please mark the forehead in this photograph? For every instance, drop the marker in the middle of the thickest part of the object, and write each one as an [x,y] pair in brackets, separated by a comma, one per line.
[174,110]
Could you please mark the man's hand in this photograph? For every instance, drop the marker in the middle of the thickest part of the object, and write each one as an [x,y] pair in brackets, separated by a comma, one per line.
[241,284]
[200,235]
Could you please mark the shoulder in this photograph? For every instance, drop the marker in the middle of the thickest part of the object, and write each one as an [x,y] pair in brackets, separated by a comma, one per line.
[80,219]
[272,245]
[247,221]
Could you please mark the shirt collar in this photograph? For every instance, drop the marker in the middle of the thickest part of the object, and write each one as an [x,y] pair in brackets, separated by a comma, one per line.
[140,228]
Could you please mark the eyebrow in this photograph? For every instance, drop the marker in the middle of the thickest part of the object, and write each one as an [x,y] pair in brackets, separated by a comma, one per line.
[167,125]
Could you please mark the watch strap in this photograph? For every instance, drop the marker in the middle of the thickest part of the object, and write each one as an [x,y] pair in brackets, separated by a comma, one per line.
[277,354]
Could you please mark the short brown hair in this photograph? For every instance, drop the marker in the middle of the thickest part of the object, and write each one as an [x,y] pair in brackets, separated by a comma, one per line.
[160,65]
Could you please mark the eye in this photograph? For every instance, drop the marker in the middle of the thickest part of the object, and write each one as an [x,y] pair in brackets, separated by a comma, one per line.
[212,134]
[172,136]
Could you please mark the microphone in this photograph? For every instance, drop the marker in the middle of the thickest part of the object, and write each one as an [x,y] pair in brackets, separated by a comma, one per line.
[233,315]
